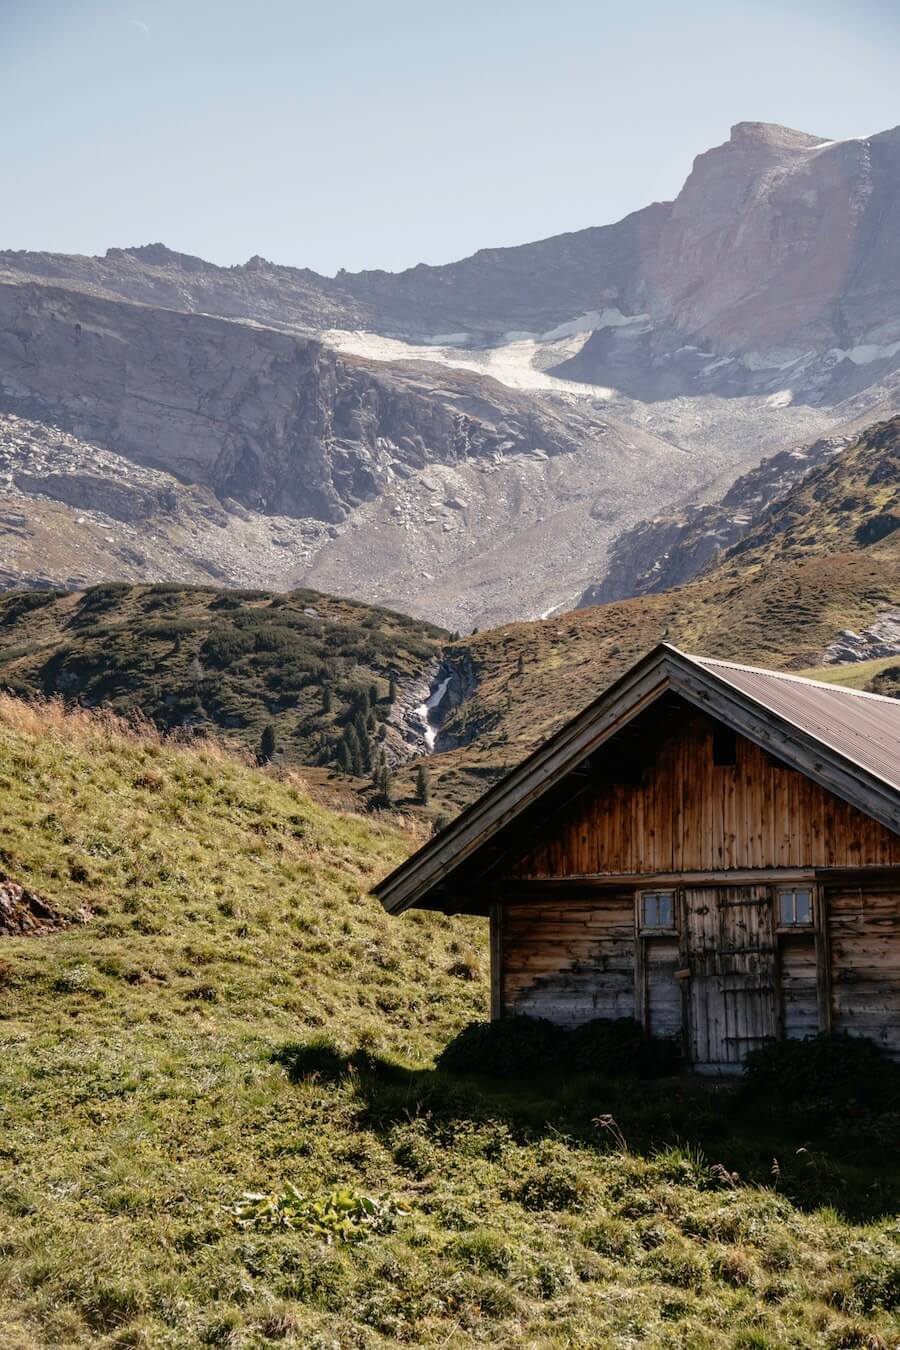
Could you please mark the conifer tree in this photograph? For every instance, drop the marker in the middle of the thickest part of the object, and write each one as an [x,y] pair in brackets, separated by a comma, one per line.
[267,744]
[423,787]
[392,689]
[353,750]
[326,698]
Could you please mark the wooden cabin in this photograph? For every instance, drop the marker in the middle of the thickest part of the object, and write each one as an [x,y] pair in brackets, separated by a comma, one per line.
[710,848]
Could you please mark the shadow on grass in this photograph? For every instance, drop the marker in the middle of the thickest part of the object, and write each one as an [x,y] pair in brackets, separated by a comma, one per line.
[845,1155]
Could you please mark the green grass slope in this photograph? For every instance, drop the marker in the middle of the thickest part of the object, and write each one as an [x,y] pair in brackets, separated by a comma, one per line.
[160,1061]
[848,503]
[223,662]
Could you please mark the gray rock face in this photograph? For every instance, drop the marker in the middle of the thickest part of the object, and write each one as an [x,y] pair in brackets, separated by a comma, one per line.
[279,423]
[673,548]
[776,268]
[881,638]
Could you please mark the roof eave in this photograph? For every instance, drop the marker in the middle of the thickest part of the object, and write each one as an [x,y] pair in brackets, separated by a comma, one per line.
[629,695]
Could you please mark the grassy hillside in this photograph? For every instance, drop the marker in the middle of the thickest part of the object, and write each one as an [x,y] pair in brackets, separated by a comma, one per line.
[849,503]
[229,662]
[161,1059]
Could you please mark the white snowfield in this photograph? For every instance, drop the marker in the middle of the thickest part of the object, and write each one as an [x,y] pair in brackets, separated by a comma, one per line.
[519,360]
[517,363]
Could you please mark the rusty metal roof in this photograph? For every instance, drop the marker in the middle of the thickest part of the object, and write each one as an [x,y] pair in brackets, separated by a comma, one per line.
[847,741]
[864,728]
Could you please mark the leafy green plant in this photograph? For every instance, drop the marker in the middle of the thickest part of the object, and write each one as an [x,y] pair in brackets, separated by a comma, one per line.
[343,1215]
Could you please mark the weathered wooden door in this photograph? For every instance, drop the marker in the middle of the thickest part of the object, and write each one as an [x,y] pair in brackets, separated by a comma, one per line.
[730,951]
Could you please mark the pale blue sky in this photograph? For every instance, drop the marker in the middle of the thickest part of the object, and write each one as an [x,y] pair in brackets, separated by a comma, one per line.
[386,133]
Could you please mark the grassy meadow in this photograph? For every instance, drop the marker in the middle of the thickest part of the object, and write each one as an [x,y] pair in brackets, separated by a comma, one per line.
[239,1016]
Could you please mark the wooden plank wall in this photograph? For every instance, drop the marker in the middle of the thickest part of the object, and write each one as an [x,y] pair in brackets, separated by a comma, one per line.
[864,934]
[689,815]
[569,961]
[664,1015]
[799,985]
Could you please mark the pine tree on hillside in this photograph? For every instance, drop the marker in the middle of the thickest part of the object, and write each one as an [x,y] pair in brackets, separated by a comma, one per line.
[326,698]
[354,751]
[267,744]
[365,743]
[423,787]
[392,689]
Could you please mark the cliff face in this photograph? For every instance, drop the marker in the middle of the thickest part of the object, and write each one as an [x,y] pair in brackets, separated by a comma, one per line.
[776,269]
[279,423]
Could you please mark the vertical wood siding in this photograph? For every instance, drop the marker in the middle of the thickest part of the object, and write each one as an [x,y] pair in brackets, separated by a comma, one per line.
[689,815]
[663,1000]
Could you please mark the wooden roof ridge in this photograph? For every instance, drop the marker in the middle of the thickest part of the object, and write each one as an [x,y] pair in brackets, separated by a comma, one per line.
[763,705]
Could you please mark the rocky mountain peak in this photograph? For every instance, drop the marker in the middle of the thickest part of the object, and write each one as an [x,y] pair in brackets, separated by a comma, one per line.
[774,135]
[160,255]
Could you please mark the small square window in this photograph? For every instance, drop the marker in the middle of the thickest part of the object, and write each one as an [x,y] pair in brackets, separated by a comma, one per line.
[795,908]
[658,909]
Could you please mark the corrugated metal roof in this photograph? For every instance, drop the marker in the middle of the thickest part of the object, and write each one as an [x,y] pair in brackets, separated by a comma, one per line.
[864,728]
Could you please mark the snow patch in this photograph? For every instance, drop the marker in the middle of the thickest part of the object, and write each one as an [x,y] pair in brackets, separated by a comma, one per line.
[593,322]
[512,363]
[866,352]
[783,399]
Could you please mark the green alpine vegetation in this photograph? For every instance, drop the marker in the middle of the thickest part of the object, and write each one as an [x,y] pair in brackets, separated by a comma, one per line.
[315,673]
[226,1117]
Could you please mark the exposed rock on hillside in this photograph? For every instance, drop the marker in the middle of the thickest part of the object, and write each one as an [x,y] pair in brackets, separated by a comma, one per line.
[280,423]
[851,502]
[881,638]
[24,913]
[670,549]
[257,457]
[775,268]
